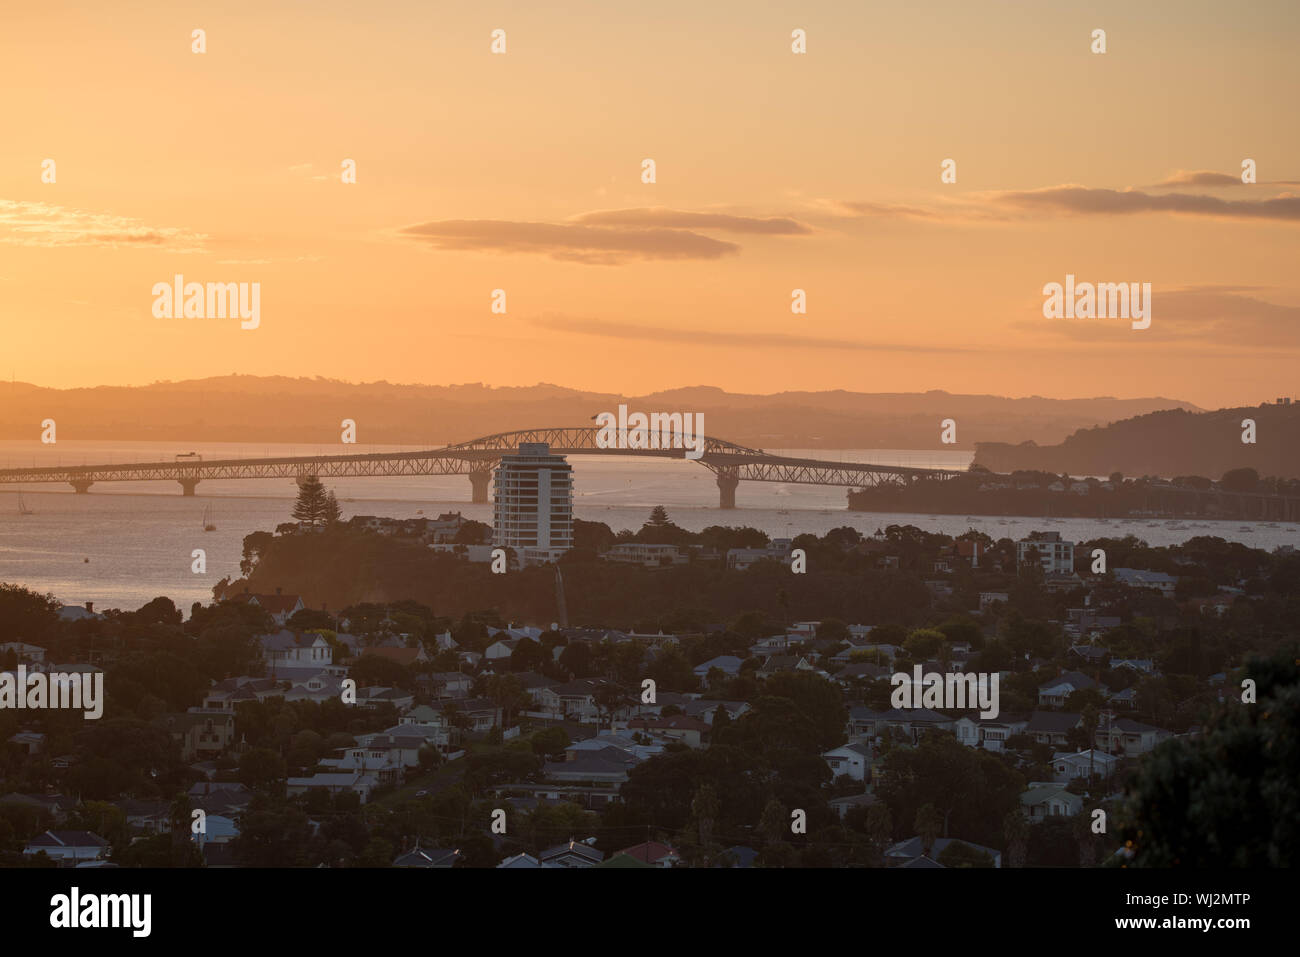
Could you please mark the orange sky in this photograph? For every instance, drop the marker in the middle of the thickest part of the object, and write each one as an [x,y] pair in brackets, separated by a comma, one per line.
[775,171]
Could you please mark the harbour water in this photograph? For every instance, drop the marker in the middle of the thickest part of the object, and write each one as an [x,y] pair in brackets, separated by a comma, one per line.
[139,537]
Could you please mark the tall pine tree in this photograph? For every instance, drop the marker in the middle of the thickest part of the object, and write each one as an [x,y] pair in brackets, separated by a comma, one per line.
[310,507]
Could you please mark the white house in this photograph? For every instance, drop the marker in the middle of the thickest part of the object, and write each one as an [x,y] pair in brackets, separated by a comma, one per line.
[501,648]
[1067,767]
[988,733]
[286,653]
[853,760]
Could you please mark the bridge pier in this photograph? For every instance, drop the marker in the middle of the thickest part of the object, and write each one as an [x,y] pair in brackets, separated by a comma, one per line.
[479,484]
[727,482]
[187,485]
[82,486]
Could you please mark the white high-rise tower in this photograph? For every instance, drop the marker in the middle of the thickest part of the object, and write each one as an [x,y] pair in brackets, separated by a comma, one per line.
[533,511]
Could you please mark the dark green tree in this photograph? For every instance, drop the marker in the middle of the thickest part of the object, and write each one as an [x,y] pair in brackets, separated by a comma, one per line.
[310,507]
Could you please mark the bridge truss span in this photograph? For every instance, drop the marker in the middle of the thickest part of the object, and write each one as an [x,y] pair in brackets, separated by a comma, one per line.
[730,463]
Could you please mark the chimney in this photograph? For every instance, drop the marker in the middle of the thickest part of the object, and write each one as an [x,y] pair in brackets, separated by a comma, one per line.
[90,606]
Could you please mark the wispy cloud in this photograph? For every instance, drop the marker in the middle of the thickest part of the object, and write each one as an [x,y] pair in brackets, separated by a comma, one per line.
[591,245]
[42,224]
[867,210]
[1209,177]
[1084,200]
[1072,199]
[661,216]
[740,340]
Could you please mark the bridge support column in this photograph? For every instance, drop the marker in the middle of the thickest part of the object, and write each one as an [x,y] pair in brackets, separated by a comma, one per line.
[187,485]
[727,482]
[479,483]
[82,486]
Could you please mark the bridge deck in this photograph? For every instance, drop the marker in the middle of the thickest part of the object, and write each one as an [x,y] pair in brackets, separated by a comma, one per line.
[729,461]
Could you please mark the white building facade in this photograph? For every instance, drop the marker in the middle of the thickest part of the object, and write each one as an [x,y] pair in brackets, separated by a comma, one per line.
[533,511]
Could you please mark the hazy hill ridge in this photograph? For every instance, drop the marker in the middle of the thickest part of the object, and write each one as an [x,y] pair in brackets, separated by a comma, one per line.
[281,409]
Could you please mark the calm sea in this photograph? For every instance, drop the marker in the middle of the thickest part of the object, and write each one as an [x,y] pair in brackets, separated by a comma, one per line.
[127,543]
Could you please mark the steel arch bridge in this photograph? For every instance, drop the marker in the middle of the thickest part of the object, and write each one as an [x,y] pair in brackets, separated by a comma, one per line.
[730,463]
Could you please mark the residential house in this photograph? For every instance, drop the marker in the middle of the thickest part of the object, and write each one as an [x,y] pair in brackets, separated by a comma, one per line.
[649,556]
[572,854]
[679,727]
[406,657]
[289,655]
[779,663]
[226,694]
[524,861]
[909,723]
[729,665]
[201,734]
[1042,801]
[25,653]
[279,606]
[1054,692]
[334,783]
[1141,578]
[653,853]
[991,734]
[853,760]
[905,852]
[1127,737]
[843,805]
[68,846]
[1066,767]
[1053,727]
[426,857]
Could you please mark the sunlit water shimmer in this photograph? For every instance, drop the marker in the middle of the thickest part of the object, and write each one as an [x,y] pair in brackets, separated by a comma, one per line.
[139,536]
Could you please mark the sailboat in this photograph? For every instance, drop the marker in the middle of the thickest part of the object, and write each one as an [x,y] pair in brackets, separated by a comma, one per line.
[207,519]
[22,506]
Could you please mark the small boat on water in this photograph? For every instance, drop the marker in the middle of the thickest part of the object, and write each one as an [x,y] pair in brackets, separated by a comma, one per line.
[22,506]
[1245,528]
[208,525]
